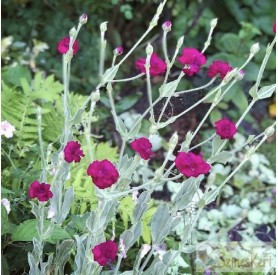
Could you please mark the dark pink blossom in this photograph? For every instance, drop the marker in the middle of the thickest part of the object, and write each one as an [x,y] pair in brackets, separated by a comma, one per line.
[219,67]
[103,173]
[192,59]
[158,66]
[191,165]
[63,46]
[143,147]
[274,27]
[105,253]
[225,128]
[40,191]
[73,152]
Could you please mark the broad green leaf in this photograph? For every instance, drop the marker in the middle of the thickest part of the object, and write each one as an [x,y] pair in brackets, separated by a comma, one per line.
[240,100]
[125,210]
[168,89]
[230,42]
[215,115]
[186,193]
[110,73]
[104,151]
[222,157]
[159,221]
[266,92]
[216,143]
[26,231]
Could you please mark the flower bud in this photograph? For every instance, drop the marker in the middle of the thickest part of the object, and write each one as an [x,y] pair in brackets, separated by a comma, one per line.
[240,75]
[255,48]
[103,27]
[149,49]
[95,96]
[173,140]
[167,26]
[73,32]
[180,42]
[269,131]
[118,51]
[83,19]
[213,23]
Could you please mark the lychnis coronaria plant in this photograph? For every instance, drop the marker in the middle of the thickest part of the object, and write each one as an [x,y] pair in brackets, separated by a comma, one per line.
[97,245]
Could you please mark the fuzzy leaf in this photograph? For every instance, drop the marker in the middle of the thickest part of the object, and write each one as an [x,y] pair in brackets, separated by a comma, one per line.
[26,231]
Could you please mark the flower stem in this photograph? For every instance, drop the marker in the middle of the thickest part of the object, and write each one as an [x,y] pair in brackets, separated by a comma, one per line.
[128,79]
[118,265]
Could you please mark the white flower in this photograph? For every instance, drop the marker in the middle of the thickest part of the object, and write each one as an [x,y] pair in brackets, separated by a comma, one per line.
[7,204]
[7,129]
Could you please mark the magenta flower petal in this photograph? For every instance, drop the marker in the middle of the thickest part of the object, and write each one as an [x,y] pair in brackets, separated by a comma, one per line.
[219,67]
[73,152]
[105,252]
[193,60]
[41,191]
[143,147]
[103,173]
[225,128]
[191,165]
[63,46]
[158,66]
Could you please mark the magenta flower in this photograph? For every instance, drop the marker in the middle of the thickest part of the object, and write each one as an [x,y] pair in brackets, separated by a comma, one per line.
[103,173]
[73,152]
[191,165]
[143,147]
[40,191]
[219,67]
[63,46]
[193,60]
[274,27]
[225,128]
[105,253]
[158,66]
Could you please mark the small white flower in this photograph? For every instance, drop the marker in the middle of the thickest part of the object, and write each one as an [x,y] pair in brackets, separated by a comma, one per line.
[7,129]
[7,204]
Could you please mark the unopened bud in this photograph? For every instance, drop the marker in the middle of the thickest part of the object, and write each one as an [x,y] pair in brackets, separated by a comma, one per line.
[255,48]
[149,49]
[213,23]
[73,32]
[180,42]
[240,75]
[229,75]
[118,51]
[83,19]
[174,140]
[95,96]
[269,131]
[167,26]
[153,129]
[103,27]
